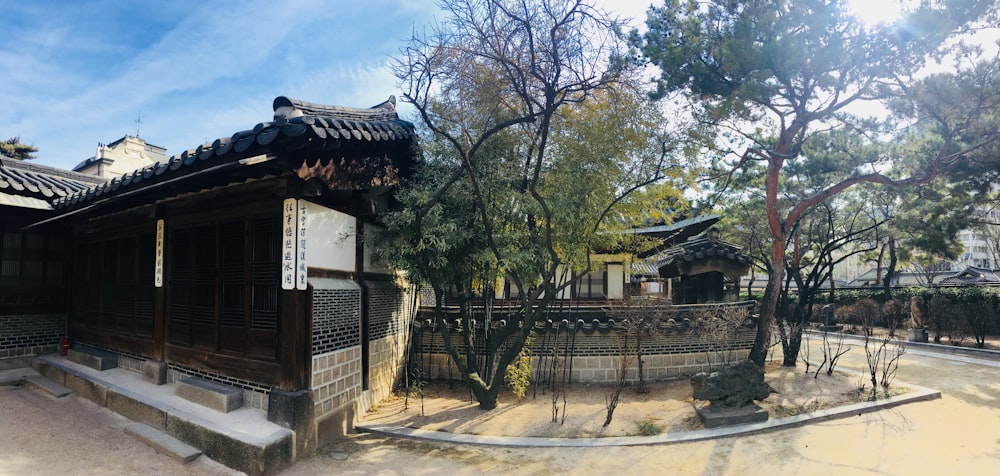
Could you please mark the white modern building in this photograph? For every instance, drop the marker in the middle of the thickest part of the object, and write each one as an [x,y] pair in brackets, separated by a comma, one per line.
[121,157]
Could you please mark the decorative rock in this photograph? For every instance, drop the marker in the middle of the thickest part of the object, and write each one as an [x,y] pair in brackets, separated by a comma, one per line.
[734,386]
[916,335]
[826,315]
[917,312]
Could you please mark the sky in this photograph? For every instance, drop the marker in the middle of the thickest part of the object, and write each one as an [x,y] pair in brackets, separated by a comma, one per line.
[180,73]
[76,73]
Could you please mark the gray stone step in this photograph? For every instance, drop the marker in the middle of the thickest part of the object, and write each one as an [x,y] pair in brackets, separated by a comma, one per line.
[16,376]
[163,442]
[209,394]
[93,358]
[47,386]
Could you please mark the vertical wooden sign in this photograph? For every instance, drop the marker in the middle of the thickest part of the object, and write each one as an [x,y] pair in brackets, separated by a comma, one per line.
[301,275]
[158,264]
[288,229]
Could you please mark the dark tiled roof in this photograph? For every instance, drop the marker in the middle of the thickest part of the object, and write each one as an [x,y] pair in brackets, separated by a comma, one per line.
[21,178]
[675,232]
[973,275]
[699,248]
[590,319]
[313,134]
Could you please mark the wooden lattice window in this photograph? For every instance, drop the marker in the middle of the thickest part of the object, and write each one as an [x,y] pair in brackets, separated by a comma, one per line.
[113,285]
[224,286]
[31,268]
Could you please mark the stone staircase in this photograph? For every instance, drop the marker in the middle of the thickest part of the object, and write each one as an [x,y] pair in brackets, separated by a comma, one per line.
[184,419]
[218,397]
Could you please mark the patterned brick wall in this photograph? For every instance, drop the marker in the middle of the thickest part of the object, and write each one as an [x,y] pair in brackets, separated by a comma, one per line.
[337,379]
[389,328]
[32,334]
[385,307]
[336,366]
[591,358]
[336,315]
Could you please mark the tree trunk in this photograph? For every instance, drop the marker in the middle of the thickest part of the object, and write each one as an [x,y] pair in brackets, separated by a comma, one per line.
[758,354]
[485,394]
[792,346]
[769,305]
[890,272]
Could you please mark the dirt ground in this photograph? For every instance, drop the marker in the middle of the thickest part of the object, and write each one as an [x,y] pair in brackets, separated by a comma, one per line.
[44,435]
[666,408]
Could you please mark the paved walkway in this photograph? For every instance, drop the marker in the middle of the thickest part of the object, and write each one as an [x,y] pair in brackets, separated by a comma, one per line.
[957,434]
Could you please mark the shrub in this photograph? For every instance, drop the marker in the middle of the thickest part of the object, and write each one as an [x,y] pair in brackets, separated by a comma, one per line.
[648,427]
[518,374]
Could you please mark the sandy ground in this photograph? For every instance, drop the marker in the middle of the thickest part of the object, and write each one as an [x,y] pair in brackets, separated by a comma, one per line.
[957,434]
[43,435]
[666,406]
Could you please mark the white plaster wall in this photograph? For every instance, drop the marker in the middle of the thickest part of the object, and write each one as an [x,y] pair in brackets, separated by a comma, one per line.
[332,238]
[616,281]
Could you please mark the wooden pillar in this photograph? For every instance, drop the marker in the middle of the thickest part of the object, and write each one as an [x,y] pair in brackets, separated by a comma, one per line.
[295,348]
[159,291]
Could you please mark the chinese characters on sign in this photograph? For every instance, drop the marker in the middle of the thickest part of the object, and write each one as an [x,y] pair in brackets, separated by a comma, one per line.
[158,265]
[288,229]
[301,277]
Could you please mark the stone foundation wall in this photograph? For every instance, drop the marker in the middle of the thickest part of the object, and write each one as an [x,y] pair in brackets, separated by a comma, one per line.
[603,370]
[336,386]
[336,380]
[25,335]
[386,370]
[593,358]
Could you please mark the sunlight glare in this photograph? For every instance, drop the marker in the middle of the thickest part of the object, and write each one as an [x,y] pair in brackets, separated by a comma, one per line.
[874,12]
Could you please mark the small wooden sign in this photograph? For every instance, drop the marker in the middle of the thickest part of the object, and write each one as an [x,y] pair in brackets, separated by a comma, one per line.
[158,264]
[301,275]
[288,238]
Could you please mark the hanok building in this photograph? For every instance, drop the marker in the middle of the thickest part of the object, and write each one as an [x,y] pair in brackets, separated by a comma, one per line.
[707,269]
[32,262]
[244,263]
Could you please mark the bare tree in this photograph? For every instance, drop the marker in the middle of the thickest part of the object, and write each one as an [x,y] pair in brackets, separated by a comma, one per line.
[626,353]
[882,352]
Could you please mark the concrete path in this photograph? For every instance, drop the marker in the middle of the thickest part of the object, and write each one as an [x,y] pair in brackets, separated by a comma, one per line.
[957,434]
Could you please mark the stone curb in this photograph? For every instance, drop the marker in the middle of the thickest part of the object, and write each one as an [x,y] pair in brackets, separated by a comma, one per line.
[926,346]
[916,394]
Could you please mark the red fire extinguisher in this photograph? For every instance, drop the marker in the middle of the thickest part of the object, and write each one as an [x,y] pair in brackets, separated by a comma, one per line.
[65,346]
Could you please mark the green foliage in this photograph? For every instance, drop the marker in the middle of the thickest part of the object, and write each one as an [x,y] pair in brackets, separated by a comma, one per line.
[777,81]
[518,375]
[14,149]
[957,295]
[648,427]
